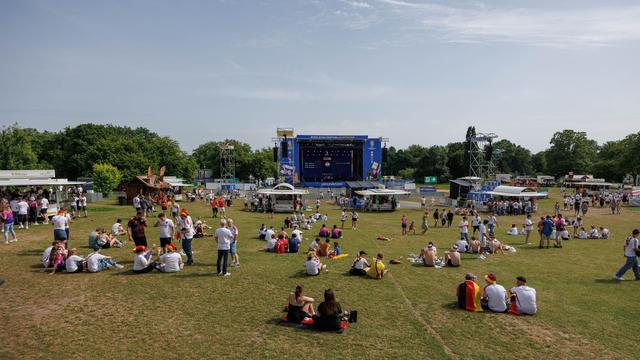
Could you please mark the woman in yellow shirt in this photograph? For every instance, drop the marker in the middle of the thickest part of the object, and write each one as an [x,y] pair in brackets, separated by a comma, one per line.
[377,269]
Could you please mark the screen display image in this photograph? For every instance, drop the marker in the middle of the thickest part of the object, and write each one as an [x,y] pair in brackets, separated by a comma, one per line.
[326,162]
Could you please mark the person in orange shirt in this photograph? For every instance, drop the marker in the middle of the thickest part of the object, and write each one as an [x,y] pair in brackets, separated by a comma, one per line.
[324,248]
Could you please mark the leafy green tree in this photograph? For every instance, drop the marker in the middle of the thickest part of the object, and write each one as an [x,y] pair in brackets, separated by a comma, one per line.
[407,174]
[571,151]
[471,132]
[539,163]
[207,156]
[262,164]
[433,163]
[456,160]
[106,177]
[16,151]
[511,158]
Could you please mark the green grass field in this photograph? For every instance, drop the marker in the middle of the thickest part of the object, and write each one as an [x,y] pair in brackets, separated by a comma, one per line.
[411,313]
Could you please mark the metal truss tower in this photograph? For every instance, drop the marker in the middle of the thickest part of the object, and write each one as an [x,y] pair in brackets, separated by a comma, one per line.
[227,161]
[481,155]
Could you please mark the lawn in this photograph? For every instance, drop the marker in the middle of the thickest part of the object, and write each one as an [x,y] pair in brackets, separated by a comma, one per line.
[411,313]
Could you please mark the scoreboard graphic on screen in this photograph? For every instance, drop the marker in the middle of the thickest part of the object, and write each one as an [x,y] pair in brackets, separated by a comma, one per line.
[330,160]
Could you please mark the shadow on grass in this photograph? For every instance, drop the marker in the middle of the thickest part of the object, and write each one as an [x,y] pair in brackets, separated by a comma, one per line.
[451,306]
[29,253]
[607,281]
[206,274]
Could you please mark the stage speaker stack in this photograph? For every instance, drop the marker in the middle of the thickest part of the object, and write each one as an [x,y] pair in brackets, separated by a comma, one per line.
[285,149]
[384,154]
[275,154]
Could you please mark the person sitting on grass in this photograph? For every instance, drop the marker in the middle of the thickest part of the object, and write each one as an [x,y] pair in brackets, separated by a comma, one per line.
[97,262]
[469,294]
[429,255]
[299,306]
[336,233]
[201,229]
[117,229]
[170,261]
[360,265]
[582,234]
[106,241]
[377,269]
[329,313]
[494,296]
[57,258]
[513,230]
[262,232]
[452,257]
[335,252]
[474,245]
[496,246]
[313,265]
[593,234]
[74,263]
[523,298]
[271,244]
[47,254]
[324,231]
[281,245]
[294,243]
[323,251]
[315,245]
[142,260]
[604,233]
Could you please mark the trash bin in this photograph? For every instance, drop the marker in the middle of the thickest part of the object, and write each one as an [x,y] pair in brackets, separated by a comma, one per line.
[122,200]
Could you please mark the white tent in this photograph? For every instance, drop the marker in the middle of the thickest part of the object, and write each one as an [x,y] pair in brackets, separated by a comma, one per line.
[283,196]
[373,192]
[516,191]
[283,189]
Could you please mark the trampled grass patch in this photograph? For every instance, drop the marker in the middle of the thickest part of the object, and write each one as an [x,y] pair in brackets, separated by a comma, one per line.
[411,313]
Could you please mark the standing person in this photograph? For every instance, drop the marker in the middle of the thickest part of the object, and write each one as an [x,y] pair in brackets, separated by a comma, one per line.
[493,223]
[464,228]
[33,211]
[403,220]
[436,218]
[167,229]
[221,208]
[449,217]
[136,229]
[343,218]
[223,237]
[545,233]
[630,248]
[59,226]
[475,222]
[175,209]
[528,228]
[443,218]
[354,219]
[423,202]
[83,204]
[584,208]
[44,208]
[186,232]
[425,222]
[136,203]
[233,248]
[23,213]
[214,207]
[8,220]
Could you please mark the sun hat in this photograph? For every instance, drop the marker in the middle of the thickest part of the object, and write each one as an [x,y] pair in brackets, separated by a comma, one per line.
[171,248]
[138,248]
[490,278]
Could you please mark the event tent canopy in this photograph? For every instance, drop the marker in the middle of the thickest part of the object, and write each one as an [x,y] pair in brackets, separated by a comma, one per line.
[516,191]
[377,192]
[283,189]
[39,182]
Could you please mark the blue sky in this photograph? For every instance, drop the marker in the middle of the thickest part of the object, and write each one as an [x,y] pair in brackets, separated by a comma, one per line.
[418,72]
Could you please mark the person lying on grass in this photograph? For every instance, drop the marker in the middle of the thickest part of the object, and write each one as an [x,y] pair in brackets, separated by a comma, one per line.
[360,265]
[97,262]
[383,238]
[299,306]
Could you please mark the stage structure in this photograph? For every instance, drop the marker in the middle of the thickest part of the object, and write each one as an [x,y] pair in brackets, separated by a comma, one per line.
[227,162]
[482,155]
[328,160]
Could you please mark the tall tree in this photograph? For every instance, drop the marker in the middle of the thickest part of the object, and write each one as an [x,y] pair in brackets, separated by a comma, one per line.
[571,151]
[471,132]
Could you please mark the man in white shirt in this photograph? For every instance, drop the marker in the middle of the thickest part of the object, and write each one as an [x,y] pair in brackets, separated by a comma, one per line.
[23,212]
[528,228]
[523,298]
[167,229]
[223,237]
[462,245]
[630,246]
[117,229]
[464,228]
[186,229]
[270,234]
[136,203]
[495,295]
[171,261]
[296,231]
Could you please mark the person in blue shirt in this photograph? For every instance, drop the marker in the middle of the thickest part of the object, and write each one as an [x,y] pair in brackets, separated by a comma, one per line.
[294,243]
[547,229]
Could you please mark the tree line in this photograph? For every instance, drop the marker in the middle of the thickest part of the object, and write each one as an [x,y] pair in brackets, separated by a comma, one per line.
[73,151]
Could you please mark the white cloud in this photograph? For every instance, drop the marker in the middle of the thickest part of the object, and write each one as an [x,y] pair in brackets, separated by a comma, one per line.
[358,4]
[577,28]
